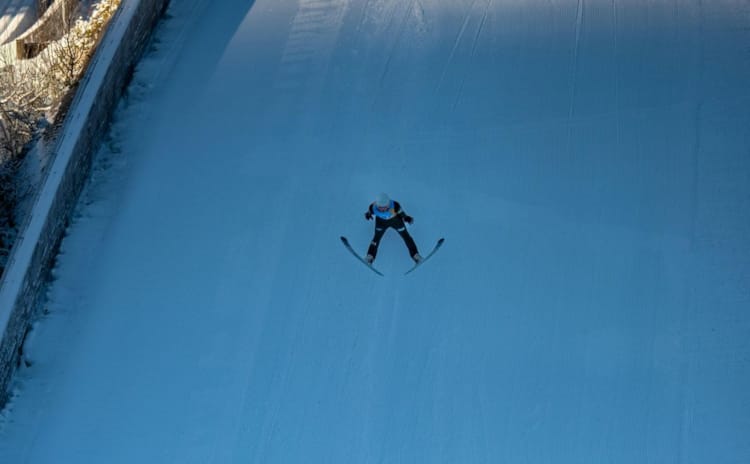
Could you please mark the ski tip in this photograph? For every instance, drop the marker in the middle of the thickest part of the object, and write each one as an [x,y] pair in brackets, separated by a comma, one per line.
[343,239]
[441,240]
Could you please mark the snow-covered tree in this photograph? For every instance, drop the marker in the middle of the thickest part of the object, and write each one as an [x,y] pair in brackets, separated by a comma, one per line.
[32,88]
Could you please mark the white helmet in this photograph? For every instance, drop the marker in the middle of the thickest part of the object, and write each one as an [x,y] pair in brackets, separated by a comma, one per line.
[382,200]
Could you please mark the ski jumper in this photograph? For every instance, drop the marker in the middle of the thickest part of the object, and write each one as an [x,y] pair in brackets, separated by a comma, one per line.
[393,217]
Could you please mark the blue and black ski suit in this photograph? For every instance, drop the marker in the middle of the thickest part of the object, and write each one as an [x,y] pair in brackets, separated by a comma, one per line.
[394,217]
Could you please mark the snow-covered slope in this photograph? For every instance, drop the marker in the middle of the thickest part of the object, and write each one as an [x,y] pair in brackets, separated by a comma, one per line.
[587,162]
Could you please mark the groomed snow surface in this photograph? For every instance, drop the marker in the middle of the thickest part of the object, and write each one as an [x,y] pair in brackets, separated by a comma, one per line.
[588,162]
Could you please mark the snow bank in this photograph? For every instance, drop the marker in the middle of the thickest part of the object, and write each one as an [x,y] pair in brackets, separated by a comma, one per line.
[15,18]
[23,283]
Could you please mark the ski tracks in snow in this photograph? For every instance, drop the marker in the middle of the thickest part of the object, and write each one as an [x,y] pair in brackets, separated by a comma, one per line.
[456,45]
[394,48]
[311,41]
[473,52]
[616,47]
[456,42]
[574,71]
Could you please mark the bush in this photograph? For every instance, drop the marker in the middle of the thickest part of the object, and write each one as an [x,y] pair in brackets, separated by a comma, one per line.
[32,89]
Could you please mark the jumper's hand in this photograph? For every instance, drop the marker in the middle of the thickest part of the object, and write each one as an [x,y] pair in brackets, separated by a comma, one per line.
[368,215]
[409,219]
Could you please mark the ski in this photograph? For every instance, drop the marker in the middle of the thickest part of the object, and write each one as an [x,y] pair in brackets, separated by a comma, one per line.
[351,250]
[437,247]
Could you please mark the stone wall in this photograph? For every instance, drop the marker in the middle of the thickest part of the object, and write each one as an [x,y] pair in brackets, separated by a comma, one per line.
[24,282]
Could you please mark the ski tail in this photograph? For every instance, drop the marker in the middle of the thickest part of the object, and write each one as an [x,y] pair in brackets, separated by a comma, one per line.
[351,250]
[429,255]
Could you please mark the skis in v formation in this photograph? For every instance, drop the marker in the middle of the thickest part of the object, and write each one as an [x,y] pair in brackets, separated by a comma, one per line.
[348,246]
